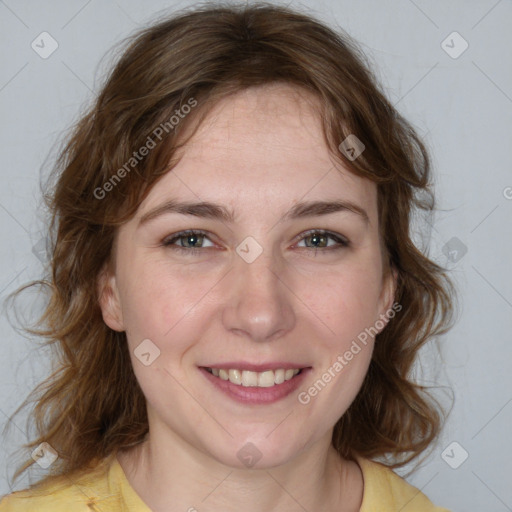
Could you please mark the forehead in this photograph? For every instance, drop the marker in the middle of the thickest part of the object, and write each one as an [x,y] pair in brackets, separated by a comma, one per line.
[269,123]
[263,146]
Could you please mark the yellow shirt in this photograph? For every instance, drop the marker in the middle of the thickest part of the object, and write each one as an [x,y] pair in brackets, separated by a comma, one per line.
[384,491]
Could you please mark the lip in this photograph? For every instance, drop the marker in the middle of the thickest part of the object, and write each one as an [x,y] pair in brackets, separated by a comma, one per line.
[244,365]
[255,395]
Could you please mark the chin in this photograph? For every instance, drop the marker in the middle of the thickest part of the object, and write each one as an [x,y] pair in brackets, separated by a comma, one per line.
[256,452]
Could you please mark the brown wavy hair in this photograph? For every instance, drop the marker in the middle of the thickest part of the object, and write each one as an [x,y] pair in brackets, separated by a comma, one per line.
[92,405]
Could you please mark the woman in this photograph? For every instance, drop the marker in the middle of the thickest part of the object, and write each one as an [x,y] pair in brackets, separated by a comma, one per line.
[235,298]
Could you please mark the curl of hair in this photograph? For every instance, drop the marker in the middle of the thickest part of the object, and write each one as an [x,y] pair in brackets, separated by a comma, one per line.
[92,405]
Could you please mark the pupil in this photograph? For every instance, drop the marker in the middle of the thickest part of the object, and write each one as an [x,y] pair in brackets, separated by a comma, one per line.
[192,239]
[317,238]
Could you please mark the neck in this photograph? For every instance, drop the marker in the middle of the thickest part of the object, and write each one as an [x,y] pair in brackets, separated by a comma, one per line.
[174,472]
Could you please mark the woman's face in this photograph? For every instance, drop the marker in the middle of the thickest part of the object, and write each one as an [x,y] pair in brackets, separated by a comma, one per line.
[253,291]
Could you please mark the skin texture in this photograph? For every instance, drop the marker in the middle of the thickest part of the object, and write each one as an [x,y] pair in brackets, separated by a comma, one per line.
[258,153]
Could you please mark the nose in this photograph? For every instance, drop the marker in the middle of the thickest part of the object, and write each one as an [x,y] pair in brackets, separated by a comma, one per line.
[260,305]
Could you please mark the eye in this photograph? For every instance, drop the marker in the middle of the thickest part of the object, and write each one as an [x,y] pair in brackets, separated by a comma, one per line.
[320,240]
[192,241]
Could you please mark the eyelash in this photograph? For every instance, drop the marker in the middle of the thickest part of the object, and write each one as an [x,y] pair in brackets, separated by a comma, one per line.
[168,242]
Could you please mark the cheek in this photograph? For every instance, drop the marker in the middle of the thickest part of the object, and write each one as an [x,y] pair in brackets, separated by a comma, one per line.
[158,306]
[156,301]
[352,305]
[346,301]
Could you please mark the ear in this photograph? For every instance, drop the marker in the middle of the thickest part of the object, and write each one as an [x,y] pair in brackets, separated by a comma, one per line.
[387,296]
[389,285]
[108,298]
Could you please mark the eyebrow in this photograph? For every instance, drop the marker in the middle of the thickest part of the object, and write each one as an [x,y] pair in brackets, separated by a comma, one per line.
[208,210]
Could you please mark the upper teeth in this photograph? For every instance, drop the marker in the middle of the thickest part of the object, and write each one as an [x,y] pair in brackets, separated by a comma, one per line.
[255,379]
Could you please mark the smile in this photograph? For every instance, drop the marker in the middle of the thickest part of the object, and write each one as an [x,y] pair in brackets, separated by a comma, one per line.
[249,378]
[252,387]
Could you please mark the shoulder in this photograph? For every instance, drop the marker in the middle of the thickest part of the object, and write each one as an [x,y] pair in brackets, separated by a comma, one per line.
[80,493]
[385,491]
[56,501]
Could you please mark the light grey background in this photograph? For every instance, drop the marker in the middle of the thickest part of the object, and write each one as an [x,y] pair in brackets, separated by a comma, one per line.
[462,106]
